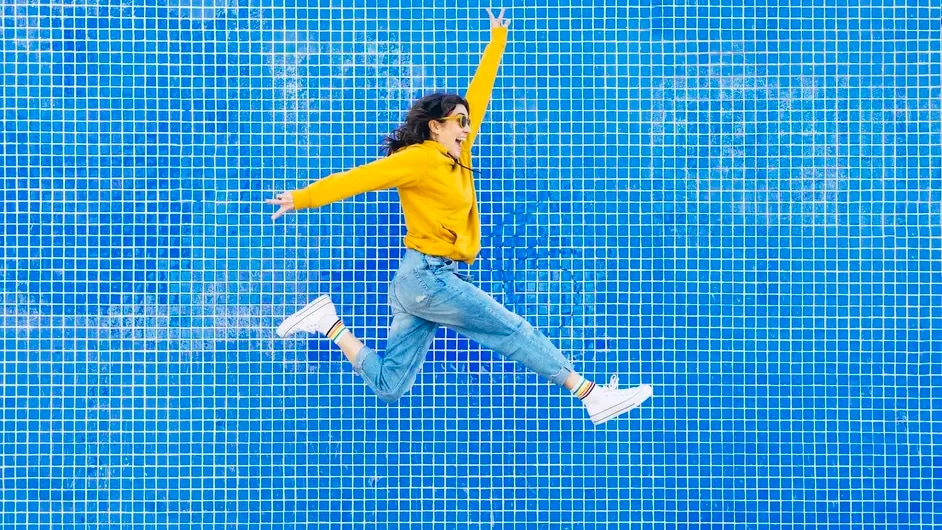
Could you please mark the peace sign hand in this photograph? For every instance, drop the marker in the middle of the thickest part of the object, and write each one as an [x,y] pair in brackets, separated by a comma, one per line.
[284,201]
[498,21]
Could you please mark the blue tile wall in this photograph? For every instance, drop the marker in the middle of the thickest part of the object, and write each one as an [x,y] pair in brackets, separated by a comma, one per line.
[736,201]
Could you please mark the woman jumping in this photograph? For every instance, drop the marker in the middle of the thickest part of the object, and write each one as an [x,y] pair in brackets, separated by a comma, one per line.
[429,162]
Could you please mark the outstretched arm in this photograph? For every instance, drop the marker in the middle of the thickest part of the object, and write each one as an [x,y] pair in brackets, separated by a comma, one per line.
[479,92]
[399,169]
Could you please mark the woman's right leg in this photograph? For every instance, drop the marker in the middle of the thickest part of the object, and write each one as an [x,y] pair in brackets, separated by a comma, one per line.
[392,374]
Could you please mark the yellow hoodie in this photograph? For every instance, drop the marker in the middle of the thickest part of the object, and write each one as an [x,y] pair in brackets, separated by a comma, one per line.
[437,195]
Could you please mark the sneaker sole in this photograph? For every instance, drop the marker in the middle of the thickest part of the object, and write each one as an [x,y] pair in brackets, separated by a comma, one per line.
[287,328]
[624,406]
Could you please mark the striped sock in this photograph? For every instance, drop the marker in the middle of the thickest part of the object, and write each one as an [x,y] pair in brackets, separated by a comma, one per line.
[583,389]
[336,331]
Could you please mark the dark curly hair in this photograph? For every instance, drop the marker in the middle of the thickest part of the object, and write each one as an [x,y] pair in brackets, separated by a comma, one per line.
[415,130]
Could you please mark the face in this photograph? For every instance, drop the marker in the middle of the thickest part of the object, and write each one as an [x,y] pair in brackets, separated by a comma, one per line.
[452,131]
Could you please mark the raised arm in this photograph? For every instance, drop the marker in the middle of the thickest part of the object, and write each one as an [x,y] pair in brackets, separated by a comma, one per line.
[479,92]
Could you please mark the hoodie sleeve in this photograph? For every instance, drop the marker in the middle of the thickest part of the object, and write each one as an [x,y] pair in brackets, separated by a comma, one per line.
[400,169]
[479,92]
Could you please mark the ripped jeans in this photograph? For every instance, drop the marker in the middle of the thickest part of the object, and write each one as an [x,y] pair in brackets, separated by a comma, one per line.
[427,292]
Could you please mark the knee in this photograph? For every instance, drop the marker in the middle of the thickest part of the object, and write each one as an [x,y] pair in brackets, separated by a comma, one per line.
[388,397]
[389,393]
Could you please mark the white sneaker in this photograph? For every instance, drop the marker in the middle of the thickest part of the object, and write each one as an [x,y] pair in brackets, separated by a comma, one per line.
[608,401]
[320,315]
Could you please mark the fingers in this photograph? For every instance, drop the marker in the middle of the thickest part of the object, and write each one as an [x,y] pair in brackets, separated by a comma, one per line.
[499,17]
[285,203]
[281,198]
[281,211]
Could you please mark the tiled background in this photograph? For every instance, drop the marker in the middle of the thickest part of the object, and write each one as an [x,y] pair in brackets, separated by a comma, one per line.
[736,201]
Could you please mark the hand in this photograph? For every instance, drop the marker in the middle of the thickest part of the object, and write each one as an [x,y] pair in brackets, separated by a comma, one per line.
[285,201]
[499,20]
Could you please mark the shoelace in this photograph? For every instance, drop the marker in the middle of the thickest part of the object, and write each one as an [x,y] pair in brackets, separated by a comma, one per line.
[612,383]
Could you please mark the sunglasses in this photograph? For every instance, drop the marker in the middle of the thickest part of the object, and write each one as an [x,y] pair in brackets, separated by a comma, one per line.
[463,121]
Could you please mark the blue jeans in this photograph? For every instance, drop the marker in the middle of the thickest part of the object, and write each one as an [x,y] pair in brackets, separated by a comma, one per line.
[428,291]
